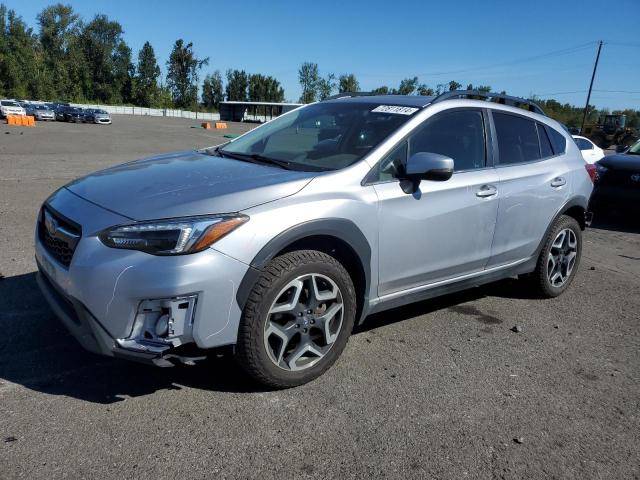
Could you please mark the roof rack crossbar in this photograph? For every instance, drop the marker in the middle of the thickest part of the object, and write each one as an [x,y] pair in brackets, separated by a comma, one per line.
[349,94]
[490,96]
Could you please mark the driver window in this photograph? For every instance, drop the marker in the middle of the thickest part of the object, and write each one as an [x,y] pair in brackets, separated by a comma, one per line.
[458,134]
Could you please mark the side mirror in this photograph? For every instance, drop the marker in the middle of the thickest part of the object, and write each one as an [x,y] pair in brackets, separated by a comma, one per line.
[425,166]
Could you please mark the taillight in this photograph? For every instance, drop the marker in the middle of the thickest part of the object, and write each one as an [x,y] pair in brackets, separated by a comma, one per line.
[592,171]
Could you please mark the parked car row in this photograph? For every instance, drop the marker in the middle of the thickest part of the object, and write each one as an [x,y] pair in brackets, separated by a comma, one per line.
[62,112]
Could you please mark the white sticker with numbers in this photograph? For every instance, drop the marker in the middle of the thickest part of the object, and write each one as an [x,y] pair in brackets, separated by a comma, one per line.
[394,109]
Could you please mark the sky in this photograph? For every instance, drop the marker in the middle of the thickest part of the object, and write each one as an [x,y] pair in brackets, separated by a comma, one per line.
[544,48]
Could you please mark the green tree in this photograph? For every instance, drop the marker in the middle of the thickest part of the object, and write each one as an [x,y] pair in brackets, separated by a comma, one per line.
[182,74]
[212,92]
[101,40]
[237,85]
[123,74]
[19,62]
[308,77]
[146,79]
[453,85]
[326,86]
[383,90]
[263,88]
[348,83]
[425,90]
[407,86]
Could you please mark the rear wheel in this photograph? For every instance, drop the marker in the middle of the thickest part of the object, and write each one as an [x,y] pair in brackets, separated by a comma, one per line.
[559,259]
[297,319]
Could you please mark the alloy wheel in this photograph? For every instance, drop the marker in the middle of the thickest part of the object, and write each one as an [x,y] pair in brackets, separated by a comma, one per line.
[562,257]
[303,322]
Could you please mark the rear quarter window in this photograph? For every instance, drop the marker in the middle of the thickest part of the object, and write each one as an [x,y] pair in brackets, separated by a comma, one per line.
[545,144]
[558,140]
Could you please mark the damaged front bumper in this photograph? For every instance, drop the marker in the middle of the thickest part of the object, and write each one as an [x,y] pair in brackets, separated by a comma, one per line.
[146,344]
[130,304]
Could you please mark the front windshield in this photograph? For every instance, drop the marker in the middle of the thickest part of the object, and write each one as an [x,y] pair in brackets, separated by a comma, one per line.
[7,103]
[322,136]
[635,148]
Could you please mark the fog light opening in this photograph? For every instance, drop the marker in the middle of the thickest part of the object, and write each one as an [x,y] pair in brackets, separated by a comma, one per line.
[162,325]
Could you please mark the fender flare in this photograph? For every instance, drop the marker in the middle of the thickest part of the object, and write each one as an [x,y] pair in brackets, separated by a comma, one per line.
[340,228]
[579,201]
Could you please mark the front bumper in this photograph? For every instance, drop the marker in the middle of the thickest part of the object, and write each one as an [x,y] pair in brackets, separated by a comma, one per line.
[100,296]
[85,328]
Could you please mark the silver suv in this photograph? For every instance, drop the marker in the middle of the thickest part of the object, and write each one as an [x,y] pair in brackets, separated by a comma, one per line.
[280,241]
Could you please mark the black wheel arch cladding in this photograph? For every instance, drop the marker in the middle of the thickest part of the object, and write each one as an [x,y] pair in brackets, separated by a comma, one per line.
[339,228]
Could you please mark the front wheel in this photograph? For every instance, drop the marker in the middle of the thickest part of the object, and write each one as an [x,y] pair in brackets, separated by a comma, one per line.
[297,319]
[559,259]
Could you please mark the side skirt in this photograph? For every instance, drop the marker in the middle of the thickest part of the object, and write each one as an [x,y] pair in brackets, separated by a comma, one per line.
[454,285]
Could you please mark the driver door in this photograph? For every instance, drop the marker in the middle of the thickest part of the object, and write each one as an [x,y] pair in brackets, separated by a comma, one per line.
[444,229]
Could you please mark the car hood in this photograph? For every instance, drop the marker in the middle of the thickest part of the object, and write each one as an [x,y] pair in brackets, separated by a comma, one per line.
[187,183]
[621,162]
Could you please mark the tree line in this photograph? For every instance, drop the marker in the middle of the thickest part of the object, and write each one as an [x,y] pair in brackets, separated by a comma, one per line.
[317,87]
[69,59]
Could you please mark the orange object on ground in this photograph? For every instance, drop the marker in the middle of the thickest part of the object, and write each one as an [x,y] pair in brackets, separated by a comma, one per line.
[21,120]
[206,125]
[221,125]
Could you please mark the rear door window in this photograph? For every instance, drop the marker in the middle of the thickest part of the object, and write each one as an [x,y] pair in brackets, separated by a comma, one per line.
[517,139]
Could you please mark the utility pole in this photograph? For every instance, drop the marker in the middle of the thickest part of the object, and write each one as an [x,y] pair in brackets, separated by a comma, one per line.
[593,76]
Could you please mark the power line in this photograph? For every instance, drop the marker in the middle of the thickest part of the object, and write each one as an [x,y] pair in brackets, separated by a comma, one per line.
[623,44]
[617,91]
[555,53]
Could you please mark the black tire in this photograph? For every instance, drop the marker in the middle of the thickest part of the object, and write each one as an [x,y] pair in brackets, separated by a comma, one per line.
[251,353]
[539,279]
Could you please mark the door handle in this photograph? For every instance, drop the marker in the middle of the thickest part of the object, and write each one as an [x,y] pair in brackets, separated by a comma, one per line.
[558,182]
[486,191]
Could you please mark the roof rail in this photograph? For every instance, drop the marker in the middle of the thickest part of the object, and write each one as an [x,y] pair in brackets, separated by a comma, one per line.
[349,94]
[491,97]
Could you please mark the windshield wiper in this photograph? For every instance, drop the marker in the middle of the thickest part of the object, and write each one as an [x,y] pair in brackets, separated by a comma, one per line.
[255,158]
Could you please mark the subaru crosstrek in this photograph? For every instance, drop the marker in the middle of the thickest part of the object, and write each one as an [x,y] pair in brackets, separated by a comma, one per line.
[280,241]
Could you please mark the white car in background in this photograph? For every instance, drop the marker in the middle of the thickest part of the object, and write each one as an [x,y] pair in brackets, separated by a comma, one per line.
[589,150]
[10,107]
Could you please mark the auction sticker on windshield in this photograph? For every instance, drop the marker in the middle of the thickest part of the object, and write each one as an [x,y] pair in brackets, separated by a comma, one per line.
[394,109]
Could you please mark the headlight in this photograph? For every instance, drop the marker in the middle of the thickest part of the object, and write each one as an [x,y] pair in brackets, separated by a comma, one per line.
[174,236]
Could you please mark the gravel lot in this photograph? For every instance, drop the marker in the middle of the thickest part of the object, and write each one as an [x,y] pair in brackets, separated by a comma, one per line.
[441,389]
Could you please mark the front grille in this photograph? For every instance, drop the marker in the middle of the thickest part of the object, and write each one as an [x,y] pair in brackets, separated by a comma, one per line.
[58,235]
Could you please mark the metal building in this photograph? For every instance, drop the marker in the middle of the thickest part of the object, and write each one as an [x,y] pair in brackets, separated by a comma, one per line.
[234,111]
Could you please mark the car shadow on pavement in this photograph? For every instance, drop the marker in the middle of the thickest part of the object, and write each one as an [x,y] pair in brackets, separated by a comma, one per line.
[38,353]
